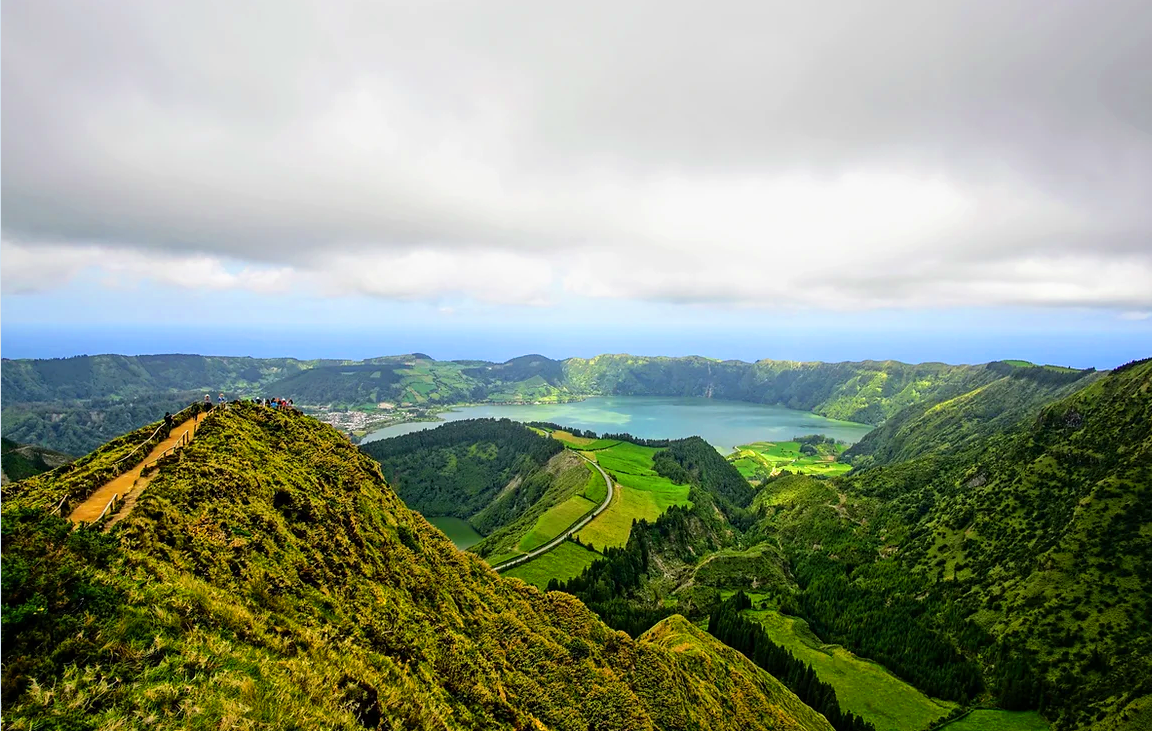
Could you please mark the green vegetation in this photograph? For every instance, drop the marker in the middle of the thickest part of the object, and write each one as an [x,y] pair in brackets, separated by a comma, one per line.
[21,461]
[555,521]
[462,467]
[936,426]
[811,455]
[75,404]
[269,578]
[641,493]
[733,681]
[729,625]
[995,550]
[867,392]
[695,461]
[518,487]
[557,487]
[992,720]
[563,562]
[863,687]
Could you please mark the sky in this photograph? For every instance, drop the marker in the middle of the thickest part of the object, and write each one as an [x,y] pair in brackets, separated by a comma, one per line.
[956,181]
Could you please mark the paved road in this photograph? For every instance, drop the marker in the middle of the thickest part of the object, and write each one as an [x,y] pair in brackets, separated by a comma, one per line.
[571,529]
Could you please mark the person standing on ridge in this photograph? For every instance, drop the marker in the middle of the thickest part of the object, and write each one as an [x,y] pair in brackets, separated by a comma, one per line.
[223,403]
[167,423]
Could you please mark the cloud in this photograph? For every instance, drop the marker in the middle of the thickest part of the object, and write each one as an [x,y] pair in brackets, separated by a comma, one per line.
[38,269]
[489,277]
[745,153]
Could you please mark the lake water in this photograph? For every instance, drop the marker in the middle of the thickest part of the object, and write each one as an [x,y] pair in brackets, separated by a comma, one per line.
[724,424]
[458,530]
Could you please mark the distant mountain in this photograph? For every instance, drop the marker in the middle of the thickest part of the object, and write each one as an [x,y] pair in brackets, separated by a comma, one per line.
[269,577]
[948,421]
[76,404]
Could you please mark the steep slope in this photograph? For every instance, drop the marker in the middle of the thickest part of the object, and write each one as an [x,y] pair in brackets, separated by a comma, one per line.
[944,425]
[465,468]
[21,461]
[868,392]
[733,683]
[270,577]
[127,376]
[1026,550]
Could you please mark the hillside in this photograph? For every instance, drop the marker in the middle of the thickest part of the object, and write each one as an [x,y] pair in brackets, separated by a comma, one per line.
[1006,563]
[21,461]
[76,404]
[1022,548]
[942,425]
[867,392]
[128,376]
[269,576]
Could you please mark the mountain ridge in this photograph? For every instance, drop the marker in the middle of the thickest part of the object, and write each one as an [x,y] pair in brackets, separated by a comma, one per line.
[76,404]
[270,574]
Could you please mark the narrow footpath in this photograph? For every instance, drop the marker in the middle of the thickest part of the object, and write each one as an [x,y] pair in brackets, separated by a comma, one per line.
[571,529]
[123,485]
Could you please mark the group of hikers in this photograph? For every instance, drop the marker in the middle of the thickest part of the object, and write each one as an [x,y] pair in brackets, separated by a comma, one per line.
[279,404]
[276,403]
[273,403]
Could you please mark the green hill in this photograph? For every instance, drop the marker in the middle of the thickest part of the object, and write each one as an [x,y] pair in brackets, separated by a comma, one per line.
[1021,549]
[269,577]
[996,552]
[21,461]
[76,404]
[937,425]
[514,486]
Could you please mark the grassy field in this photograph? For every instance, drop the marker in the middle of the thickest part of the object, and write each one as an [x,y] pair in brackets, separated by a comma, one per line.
[863,687]
[555,521]
[999,721]
[595,489]
[641,494]
[583,443]
[759,459]
[563,562]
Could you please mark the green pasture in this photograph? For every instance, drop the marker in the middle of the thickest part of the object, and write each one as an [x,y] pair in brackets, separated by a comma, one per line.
[595,489]
[990,720]
[563,562]
[863,687]
[555,521]
[759,458]
[641,494]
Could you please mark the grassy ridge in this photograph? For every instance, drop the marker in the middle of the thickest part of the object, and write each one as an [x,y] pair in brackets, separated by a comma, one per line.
[270,578]
[75,404]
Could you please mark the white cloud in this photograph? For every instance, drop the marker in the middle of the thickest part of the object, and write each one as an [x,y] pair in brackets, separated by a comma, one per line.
[492,277]
[31,270]
[746,153]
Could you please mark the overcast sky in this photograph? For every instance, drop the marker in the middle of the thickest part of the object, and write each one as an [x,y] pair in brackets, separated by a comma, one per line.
[707,161]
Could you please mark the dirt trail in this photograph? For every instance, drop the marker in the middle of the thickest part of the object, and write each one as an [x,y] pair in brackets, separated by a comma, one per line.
[90,509]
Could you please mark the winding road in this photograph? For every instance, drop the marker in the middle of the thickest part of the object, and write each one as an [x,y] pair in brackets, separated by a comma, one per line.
[571,529]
